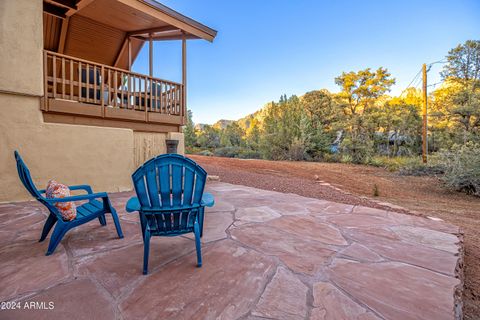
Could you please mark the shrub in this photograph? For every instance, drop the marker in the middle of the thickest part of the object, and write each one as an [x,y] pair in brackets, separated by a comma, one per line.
[229,152]
[205,153]
[415,167]
[249,154]
[296,151]
[346,158]
[462,168]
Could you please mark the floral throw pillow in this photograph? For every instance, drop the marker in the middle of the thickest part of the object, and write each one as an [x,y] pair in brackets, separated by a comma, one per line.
[56,190]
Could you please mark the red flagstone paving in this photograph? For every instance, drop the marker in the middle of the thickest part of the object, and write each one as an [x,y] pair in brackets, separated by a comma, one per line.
[266,255]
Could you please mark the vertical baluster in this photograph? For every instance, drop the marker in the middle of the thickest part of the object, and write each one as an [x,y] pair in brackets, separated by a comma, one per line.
[134,91]
[109,87]
[115,81]
[63,78]
[145,103]
[158,90]
[95,84]
[71,79]
[151,95]
[140,97]
[54,66]
[80,83]
[175,106]
[88,82]
[122,93]
[128,90]
[168,105]
[102,99]
[163,96]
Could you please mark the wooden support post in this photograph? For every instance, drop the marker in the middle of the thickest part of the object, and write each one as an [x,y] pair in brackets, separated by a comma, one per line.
[129,54]
[424,114]
[150,54]
[183,110]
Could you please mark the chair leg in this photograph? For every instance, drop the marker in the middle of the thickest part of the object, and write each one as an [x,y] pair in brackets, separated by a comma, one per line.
[56,237]
[48,226]
[198,245]
[117,223]
[102,220]
[200,220]
[146,250]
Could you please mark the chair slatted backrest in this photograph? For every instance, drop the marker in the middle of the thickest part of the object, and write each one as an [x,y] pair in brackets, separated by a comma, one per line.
[170,188]
[26,179]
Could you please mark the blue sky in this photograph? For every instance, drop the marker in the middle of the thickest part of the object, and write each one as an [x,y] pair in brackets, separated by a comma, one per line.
[266,48]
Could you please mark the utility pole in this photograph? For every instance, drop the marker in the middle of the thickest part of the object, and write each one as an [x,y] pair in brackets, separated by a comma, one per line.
[424,113]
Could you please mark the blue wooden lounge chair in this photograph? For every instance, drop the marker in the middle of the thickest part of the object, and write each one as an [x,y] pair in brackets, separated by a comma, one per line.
[86,212]
[170,200]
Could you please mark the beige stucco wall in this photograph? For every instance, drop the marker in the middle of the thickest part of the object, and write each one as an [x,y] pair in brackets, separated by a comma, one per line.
[101,157]
[149,144]
[21,43]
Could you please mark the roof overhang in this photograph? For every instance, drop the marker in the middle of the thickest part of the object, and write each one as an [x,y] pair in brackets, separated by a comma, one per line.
[106,24]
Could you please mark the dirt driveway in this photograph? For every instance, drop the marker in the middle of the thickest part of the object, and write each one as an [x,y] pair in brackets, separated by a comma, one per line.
[354,184]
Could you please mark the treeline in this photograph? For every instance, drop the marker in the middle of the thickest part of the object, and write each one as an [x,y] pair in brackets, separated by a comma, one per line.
[359,124]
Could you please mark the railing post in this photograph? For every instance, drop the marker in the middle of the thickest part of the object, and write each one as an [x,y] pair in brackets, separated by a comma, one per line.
[183,110]
[102,95]
[45,81]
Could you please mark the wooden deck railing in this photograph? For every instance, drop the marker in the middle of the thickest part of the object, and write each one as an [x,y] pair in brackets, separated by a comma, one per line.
[73,79]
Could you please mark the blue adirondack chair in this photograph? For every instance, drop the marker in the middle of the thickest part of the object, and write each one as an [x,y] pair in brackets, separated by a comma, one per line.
[85,213]
[170,200]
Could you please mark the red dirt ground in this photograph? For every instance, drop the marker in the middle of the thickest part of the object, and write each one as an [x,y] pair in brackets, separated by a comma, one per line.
[420,194]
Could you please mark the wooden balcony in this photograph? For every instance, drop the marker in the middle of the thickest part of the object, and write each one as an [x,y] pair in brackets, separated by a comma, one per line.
[78,91]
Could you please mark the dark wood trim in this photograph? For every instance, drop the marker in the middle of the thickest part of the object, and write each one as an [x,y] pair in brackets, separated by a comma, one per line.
[63,35]
[68,4]
[55,11]
[63,106]
[124,114]
[91,110]
[164,118]
[146,32]
[99,122]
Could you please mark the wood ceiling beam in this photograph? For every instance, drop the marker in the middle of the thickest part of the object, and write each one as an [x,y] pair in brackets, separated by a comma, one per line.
[63,35]
[174,37]
[68,4]
[80,5]
[55,11]
[122,50]
[152,30]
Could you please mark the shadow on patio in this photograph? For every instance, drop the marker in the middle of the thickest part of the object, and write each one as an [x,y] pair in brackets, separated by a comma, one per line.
[266,255]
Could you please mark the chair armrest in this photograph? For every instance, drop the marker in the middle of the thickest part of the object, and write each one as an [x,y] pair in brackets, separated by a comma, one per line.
[78,198]
[133,205]
[85,187]
[208,200]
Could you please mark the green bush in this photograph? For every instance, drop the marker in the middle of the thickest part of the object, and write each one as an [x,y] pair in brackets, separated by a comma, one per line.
[462,168]
[394,163]
[415,167]
[205,153]
[249,154]
[229,152]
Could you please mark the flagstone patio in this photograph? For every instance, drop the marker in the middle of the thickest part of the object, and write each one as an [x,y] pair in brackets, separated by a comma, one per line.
[265,255]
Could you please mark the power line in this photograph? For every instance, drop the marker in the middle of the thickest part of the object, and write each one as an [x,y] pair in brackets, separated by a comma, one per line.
[434,84]
[414,78]
[418,80]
